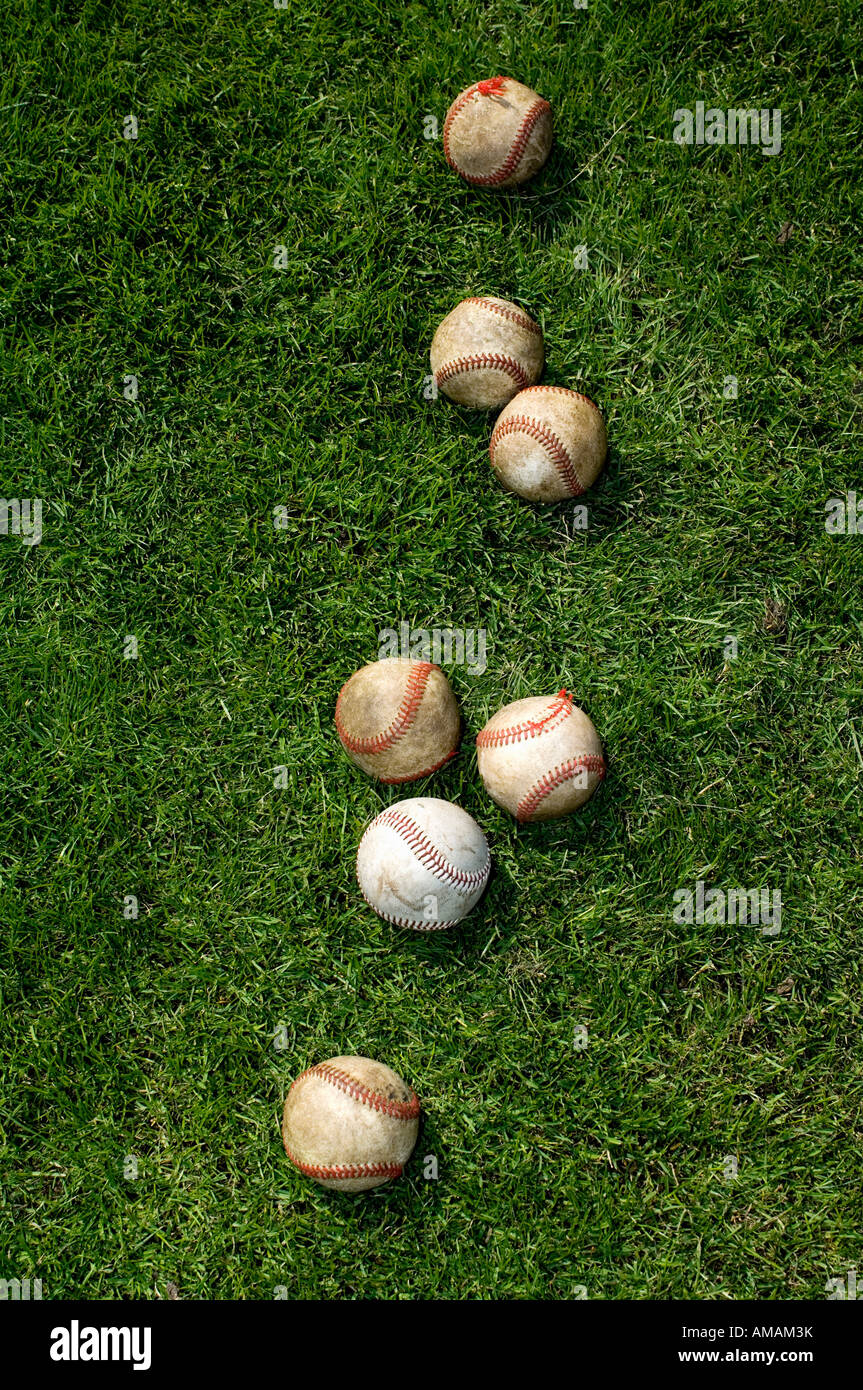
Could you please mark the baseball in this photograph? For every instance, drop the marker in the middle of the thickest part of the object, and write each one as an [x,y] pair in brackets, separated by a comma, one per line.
[549,443]
[540,758]
[398,719]
[486,350]
[497,133]
[423,863]
[350,1123]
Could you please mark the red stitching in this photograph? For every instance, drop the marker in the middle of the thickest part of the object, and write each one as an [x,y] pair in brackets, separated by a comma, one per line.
[396,1109]
[593,762]
[515,315]
[553,445]
[415,776]
[411,701]
[428,854]
[454,110]
[488,88]
[346,1170]
[523,134]
[564,390]
[495,360]
[561,707]
[408,922]
[491,87]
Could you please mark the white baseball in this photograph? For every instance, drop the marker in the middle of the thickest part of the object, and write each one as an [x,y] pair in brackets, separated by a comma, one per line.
[549,443]
[540,758]
[485,350]
[423,863]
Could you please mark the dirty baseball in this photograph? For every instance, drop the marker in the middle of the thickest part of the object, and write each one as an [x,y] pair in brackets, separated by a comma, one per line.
[485,351]
[548,444]
[398,719]
[350,1123]
[497,133]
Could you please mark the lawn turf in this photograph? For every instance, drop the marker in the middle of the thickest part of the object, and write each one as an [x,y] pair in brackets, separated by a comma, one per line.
[293,380]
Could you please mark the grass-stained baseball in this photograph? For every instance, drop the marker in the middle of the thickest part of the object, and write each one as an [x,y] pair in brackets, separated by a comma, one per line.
[350,1123]
[398,719]
[423,863]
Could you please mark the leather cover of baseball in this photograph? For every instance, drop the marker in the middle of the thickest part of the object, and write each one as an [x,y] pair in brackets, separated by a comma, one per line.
[398,719]
[540,758]
[350,1123]
[486,350]
[497,133]
[423,863]
[548,444]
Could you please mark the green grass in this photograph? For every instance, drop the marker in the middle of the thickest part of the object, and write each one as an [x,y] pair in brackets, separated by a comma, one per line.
[302,388]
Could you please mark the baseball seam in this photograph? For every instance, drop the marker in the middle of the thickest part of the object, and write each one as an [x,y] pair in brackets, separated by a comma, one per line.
[561,707]
[343,1081]
[565,391]
[345,1171]
[558,455]
[514,315]
[480,361]
[410,922]
[415,776]
[457,106]
[555,777]
[488,88]
[519,144]
[428,854]
[405,715]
